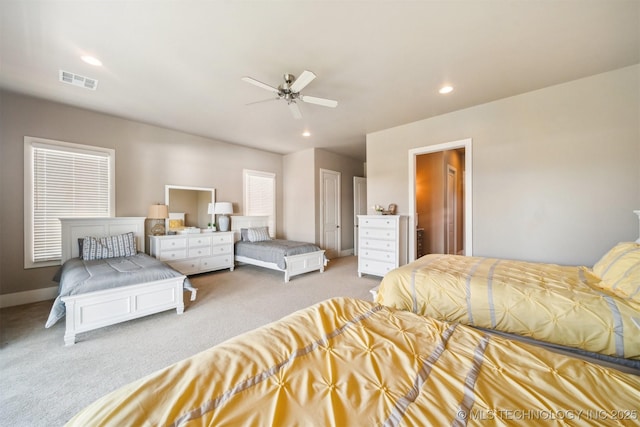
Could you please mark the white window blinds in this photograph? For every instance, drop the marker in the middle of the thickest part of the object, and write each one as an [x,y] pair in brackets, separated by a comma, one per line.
[260,196]
[67,180]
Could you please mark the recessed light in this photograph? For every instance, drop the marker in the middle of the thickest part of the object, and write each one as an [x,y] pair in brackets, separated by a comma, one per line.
[446,89]
[91,60]
[306,133]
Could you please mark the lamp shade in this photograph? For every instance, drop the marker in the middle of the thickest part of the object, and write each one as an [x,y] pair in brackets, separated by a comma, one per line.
[158,212]
[223,208]
[210,208]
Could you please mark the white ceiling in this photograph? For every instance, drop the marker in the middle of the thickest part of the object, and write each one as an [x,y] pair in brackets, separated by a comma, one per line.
[179,64]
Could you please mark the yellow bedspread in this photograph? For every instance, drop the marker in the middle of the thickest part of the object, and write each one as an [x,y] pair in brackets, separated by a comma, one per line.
[347,362]
[547,302]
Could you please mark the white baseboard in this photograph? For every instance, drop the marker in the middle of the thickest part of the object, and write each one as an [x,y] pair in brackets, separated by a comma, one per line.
[346,252]
[27,297]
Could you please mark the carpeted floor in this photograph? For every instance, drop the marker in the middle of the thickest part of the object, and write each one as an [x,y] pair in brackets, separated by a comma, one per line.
[44,383]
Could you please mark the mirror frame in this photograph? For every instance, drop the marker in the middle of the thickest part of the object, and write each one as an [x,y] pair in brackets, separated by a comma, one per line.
[168,188]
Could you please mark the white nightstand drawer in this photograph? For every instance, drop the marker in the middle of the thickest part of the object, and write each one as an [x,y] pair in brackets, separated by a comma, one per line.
[199,251]
[381,222]
[171,255]
[199,241]
[384,245]
[170,244]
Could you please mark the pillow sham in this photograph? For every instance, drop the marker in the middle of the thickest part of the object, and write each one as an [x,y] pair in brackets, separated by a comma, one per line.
[619,270]
[258,234]
[244,234]
[108,247]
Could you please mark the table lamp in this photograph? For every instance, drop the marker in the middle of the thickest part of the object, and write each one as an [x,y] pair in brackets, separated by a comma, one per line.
[223,209]
[157,215]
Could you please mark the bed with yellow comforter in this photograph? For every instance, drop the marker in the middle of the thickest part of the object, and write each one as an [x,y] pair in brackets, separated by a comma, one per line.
[348,362]
[593,309]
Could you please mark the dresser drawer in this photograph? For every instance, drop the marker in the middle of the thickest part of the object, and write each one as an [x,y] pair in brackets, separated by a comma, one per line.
[377,268]
[384,245]
[199,241]
[171,255]
[378,222]
[199,251]
[379,255]
[222,249]
[222,238]
[170,244]
[187,266]
[378,233]
[214,262]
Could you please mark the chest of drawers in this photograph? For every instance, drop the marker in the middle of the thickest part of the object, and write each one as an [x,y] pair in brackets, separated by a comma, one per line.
[195,253]
[382,243]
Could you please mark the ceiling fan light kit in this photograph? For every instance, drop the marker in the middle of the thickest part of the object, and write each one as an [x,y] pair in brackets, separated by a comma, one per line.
[290,91]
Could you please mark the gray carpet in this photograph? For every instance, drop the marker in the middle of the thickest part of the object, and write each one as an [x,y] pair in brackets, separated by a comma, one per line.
[44,383]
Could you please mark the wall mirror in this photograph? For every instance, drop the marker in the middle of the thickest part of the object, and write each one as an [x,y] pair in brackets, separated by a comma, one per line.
[193,202]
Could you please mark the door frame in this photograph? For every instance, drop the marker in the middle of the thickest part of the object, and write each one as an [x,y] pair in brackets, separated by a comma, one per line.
[357,180]
[468,194]
[452,210]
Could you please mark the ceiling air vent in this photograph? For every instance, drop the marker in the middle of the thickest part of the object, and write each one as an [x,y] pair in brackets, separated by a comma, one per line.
[78,80]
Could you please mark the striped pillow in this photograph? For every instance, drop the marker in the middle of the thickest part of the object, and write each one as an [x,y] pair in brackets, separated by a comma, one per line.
[258,234]
[619,270]
[108,247]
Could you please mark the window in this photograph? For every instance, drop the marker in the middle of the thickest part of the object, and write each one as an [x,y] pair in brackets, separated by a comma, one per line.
[260,196]
[62,180]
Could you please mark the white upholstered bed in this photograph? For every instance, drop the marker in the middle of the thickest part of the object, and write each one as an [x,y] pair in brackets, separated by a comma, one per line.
[96,309]
[293,265]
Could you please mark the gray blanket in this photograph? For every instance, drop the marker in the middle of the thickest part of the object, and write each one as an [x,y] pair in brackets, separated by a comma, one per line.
[78,276]
[274,250]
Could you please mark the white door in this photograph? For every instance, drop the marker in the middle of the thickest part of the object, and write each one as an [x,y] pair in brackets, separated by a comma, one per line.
[330,212]
[359,206]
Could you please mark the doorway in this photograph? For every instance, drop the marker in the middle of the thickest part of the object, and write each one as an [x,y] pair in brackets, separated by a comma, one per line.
[440,198]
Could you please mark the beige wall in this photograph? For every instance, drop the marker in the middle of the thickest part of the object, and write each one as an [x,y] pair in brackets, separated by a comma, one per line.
[147,158]
[302,194]
[299,189]
[556,172]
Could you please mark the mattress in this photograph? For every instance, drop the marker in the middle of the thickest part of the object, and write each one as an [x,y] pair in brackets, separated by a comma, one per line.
[547,302]
[348,362]
[78,276]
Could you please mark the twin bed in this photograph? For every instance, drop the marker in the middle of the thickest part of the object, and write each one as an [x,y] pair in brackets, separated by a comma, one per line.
[347,362]
[254,246]
[592,310]
[113,281]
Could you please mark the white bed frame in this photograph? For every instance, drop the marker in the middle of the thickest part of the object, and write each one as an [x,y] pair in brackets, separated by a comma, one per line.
[97,309]
[294,264]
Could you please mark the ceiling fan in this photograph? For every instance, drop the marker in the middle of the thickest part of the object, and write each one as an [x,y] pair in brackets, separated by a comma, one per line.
[290,91]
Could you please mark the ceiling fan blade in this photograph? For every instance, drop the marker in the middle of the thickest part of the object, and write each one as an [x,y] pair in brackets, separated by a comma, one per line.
[319,101]
[263,100]
[260,84]
[303,80]
[295,110]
